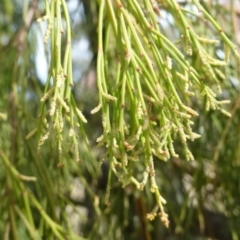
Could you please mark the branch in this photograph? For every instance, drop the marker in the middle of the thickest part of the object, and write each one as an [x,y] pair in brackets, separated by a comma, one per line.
[19,38]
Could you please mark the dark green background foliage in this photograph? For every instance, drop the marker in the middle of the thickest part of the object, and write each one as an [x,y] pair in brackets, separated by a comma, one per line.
[46,194]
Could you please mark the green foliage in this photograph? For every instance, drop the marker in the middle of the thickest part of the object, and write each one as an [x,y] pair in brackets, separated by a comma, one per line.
[157,87]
